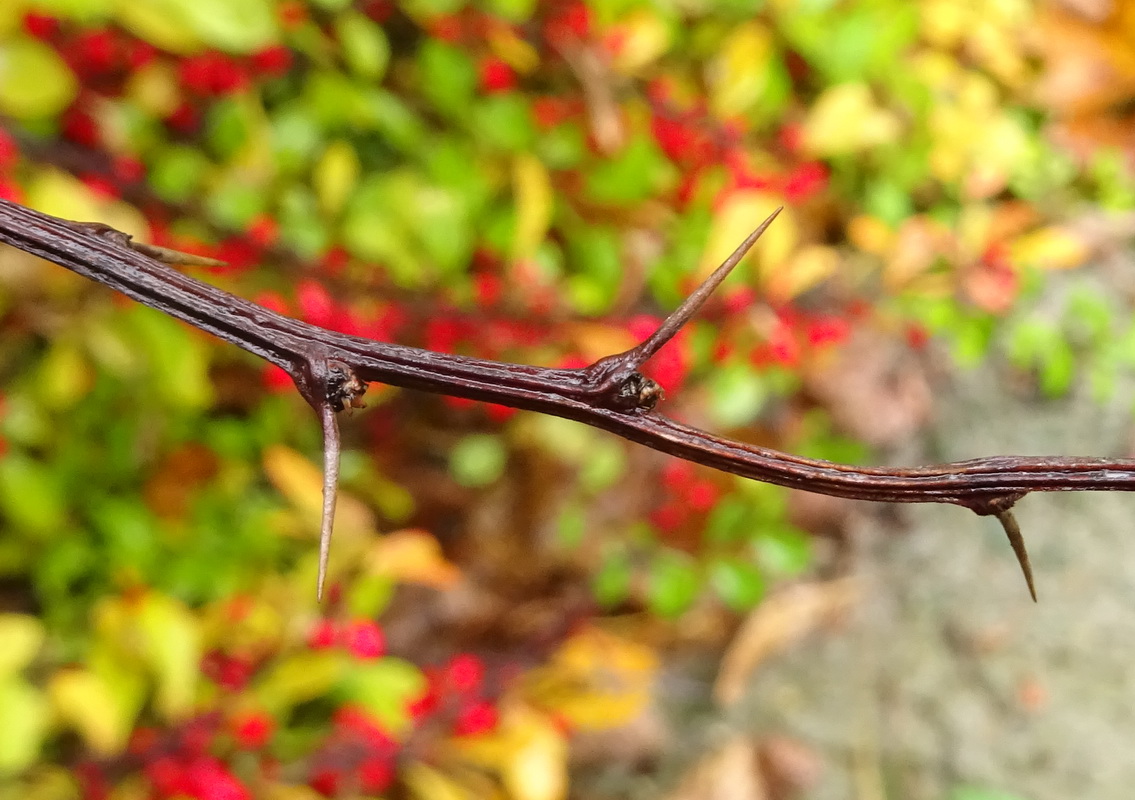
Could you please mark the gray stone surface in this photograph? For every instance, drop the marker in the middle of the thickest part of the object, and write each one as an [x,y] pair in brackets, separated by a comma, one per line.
[946,674]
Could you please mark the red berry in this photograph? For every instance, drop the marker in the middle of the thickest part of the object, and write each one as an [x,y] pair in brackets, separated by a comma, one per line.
[364,639]
[128,170]
[10,191]
[496,76]
[167,776]
[703,495]
[464,673]
[234,674]
[263,230]
[325,633]
[573,22]
[41,26]
[273,61]
[476,718]
[211,781]
[315,303]
[94,51]
[805,181]
[670,516]
[9,151]
[140,53]
[80,127]
[184,119]
[376,773]
[253,730]
[326,781]
[827,331]
[446,28]
[677,475]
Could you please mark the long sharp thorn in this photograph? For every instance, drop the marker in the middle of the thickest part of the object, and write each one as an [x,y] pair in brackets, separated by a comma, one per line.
[331,449]
[1017,542]
[681,315]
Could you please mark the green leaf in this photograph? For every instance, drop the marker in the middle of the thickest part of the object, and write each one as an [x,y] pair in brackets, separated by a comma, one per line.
[504,122]
[34,81]
[981,793]
[385,688]
[447,76]
[612,583]
[478,460]
[783,551]
[31,496]
[630,177]
[512,10]
[674,584]
[737,394]
[364,45]
[177,171]
[571,527]
[739,583]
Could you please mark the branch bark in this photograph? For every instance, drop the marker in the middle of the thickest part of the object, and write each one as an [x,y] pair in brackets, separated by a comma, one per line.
[331,371]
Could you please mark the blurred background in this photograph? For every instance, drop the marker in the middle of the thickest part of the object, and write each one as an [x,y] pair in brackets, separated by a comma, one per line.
[521,607]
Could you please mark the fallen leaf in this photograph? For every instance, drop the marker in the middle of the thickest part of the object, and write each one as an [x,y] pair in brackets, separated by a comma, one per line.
[776,624]
[412,556]
[731,773]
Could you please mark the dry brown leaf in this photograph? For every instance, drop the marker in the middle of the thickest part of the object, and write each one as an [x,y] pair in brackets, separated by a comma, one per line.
[873,389]
[731,773]
[780,621]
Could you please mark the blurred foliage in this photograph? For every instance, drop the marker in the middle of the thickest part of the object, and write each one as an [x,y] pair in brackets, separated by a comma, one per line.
[536,182]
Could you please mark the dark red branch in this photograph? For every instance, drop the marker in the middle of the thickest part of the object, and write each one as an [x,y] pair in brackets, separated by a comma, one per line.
[331,370]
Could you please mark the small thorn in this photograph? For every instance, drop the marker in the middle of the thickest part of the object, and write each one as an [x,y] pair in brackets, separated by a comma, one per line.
[175,257]
[1017,542]
[636,356]
[331,448]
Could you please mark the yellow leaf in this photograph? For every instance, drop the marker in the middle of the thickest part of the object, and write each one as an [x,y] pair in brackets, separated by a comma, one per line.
[537,766]
[336,175]
[845,119]
[427,783]
[301,482]
[1049,248]
[34,81]
[86,703]
[870,234]
[596,680]
[738,74]
[154,89]
[741,212]
[807,267]
[22,636]
[412,556]
[534,198]
[513,50]
[643,36]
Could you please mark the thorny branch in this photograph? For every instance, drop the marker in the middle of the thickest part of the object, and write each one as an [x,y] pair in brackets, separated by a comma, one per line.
[331,371]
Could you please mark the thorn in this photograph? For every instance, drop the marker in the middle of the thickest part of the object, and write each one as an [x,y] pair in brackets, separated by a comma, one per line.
[1017,542]
[175,257]
[331,448]
[636,356]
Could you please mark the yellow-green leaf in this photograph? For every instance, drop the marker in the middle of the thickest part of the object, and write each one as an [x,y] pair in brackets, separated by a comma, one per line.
[299,678]
[171,647]
[26,715]
[21,636]
[34,81]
